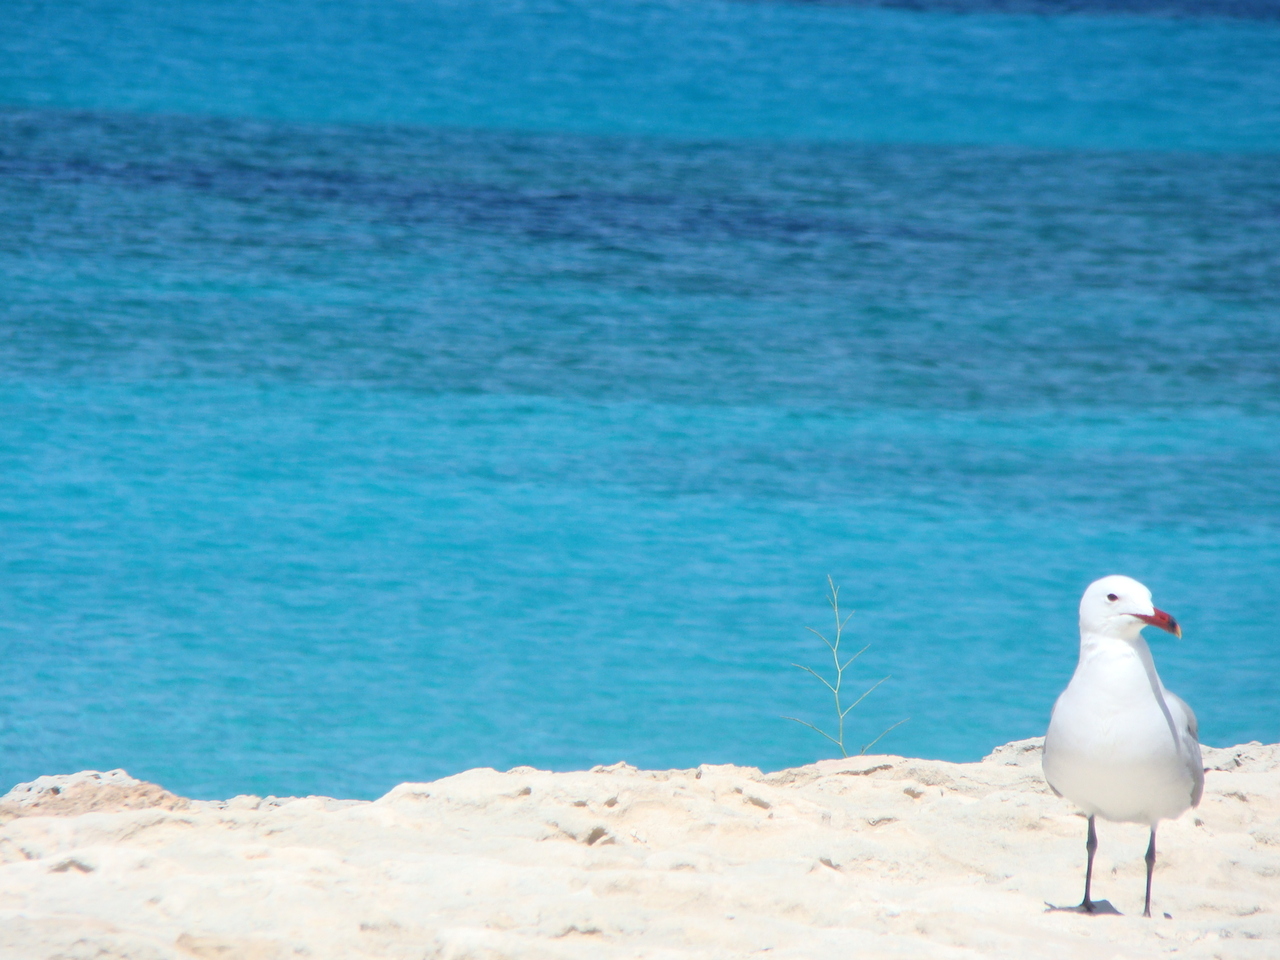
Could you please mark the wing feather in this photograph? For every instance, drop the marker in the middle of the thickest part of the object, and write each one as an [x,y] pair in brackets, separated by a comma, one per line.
[1191,745]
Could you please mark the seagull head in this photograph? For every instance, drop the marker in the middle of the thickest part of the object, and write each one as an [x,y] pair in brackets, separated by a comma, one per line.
[1120,607]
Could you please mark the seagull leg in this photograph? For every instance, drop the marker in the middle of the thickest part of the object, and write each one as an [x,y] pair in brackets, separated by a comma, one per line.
[1088,905]
[1151,865]
[1091,845]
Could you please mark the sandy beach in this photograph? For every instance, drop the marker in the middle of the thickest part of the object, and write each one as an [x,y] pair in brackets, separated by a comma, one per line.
[876,856]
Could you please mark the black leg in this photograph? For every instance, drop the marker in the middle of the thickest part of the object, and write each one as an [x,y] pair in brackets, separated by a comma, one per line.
[1088,904]
[1151,865]
[1091,845]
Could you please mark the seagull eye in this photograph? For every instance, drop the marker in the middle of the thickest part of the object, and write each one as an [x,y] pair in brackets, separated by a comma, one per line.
[1112,597]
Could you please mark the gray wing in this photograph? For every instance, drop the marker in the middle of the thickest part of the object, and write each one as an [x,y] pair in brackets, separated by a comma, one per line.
[1190,745]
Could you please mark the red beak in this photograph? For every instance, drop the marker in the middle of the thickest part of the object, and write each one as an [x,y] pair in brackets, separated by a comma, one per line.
[1162,620]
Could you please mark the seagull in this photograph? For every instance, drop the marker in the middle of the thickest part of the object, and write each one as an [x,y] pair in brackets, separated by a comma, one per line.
[1121,746]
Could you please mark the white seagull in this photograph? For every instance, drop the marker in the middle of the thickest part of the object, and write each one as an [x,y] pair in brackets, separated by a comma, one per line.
[1121,746]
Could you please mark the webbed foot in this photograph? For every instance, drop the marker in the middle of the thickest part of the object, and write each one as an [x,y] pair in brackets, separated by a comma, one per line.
[1093,907]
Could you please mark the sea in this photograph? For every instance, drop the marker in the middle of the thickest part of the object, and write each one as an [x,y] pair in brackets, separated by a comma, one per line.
[395,387]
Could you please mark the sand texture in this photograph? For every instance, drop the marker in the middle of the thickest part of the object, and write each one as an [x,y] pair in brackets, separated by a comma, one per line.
[868,857]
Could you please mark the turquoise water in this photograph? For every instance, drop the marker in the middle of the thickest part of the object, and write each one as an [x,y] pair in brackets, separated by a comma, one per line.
[398,387]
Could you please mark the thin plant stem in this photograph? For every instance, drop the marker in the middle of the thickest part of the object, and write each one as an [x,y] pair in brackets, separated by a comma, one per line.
[868,746]
[842,711]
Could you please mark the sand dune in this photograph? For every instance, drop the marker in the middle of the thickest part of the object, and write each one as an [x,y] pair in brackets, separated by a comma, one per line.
[868,857]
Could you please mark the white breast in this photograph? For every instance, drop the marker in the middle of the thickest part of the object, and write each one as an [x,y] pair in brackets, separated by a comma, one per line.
[1119,745]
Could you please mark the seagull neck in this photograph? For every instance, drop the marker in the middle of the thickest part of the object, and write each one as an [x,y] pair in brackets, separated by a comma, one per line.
[1107,644]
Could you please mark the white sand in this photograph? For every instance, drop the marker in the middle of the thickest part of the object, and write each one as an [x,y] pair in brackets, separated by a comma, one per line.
[867,857]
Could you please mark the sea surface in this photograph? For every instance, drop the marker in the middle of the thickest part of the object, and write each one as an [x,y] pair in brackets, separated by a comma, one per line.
[392,387]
